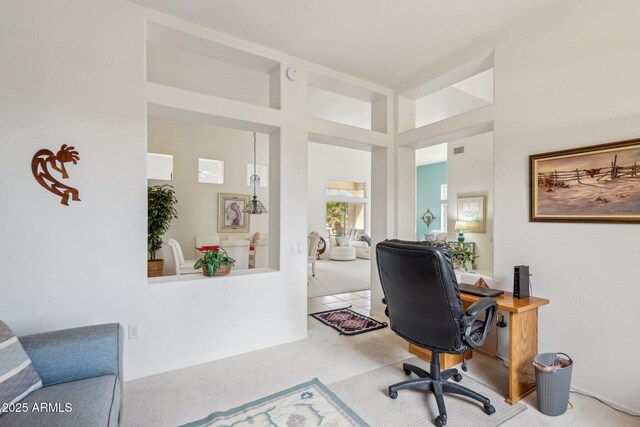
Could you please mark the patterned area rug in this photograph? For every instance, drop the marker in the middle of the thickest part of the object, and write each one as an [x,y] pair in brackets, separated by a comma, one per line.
[307,404]
[348,322]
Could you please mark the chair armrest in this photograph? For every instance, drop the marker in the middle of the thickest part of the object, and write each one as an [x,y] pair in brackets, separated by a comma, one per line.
[485,305]
[74,354]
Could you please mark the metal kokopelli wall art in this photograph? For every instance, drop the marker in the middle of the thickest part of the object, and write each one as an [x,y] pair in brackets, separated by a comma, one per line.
[43,160]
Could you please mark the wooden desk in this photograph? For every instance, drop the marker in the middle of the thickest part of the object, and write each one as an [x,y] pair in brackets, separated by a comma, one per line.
[523,342]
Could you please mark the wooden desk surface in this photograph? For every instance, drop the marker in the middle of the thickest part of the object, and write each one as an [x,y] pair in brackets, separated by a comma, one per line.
[507,302]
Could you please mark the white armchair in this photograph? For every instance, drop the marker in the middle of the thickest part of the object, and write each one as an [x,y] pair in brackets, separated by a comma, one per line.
[342,252]
[435,236]
[183,266]
[238,250]
[312,255]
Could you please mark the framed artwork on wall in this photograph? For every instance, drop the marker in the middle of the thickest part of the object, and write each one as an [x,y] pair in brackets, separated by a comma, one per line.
[599,183]
[231,215]
[471,210]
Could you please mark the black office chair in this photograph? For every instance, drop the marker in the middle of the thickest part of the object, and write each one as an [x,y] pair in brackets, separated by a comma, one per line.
[424,308]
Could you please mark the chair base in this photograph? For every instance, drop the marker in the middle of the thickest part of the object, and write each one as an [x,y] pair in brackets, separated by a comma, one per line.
[438,383]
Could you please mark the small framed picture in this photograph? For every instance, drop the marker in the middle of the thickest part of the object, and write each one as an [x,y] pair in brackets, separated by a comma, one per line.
[599,183]
[471,210]
[231,215]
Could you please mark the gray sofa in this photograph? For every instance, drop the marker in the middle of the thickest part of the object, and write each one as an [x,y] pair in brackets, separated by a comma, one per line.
[81,367]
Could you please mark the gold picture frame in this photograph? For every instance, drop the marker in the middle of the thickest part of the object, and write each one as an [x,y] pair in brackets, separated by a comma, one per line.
[598,183]
[472,211]
[231,215]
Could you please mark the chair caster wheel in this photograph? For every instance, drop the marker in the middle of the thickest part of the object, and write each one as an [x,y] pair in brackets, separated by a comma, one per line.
[457,377]
[489,409]
[406,371]
[393,394]
[440,421]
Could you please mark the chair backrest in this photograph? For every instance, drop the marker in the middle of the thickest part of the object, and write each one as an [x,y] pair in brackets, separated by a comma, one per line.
[313,242]
[177,252]
[423,299]
[238,250]
[206,240]
[261,254]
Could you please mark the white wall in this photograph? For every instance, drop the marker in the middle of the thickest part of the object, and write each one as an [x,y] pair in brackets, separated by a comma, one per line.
[76,76]
[175,67]
[568,80]
[198,202]
[327,162]
[471,174]
[466,95]
[335,107]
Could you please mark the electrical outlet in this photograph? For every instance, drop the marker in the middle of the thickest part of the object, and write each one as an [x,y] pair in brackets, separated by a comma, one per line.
[300,247]
[133,332]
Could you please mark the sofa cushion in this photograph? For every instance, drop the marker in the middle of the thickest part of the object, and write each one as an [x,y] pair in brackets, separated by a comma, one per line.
[89,402]
[342,241]
[18,377]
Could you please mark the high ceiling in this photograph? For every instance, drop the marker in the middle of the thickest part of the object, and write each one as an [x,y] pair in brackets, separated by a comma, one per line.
[382,41]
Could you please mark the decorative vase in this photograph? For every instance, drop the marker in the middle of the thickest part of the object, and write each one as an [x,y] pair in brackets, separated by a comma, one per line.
[155,267]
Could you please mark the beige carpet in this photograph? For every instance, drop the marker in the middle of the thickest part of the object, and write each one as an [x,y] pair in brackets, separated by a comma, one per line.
[367,395]
[339,277]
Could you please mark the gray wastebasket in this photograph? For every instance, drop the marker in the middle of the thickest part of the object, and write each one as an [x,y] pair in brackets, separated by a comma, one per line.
[553,381]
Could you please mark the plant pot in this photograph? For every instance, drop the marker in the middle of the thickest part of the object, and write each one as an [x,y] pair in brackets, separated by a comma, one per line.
[223,270]
[155,267]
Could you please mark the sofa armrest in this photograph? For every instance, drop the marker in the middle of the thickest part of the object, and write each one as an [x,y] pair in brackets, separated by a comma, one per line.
[358,244]
[78,353]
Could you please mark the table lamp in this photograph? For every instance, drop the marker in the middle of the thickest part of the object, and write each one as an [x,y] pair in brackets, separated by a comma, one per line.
[460,226]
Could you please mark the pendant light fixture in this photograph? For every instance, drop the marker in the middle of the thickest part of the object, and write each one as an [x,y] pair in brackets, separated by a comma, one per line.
[255,206]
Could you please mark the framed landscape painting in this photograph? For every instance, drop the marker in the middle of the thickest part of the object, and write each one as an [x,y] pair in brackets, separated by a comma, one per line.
[231,215]
[600,183]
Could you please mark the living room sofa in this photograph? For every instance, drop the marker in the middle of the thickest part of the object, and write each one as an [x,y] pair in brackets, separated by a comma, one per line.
[81,371]
[348,252]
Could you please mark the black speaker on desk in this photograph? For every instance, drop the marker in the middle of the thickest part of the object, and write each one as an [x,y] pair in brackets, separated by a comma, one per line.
[521,281]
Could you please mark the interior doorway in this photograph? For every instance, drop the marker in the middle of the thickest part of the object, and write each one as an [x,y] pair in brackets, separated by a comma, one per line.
[454,199]
[431,193]
[339,213]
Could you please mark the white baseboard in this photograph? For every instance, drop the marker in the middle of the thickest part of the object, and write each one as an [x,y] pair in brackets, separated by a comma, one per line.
[607,400]
[135,375]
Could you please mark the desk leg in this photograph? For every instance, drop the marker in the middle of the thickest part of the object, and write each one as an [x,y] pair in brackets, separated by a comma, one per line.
[523,347]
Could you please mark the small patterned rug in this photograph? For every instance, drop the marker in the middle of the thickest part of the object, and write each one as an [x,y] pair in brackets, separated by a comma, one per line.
[348,322]
[307,404]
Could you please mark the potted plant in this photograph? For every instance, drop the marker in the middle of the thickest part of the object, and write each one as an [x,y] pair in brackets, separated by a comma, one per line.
[161,200]
[216,261]
[461,255]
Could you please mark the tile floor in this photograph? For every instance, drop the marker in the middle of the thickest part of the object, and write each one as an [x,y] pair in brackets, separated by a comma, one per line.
[359,301]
